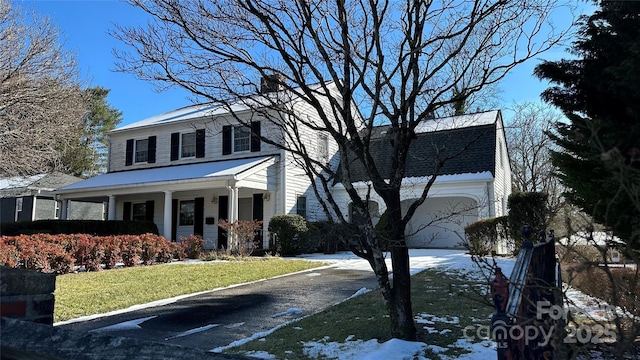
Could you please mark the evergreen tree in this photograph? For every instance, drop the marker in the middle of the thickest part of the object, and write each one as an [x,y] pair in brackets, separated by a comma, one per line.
[599,91]
[87,156]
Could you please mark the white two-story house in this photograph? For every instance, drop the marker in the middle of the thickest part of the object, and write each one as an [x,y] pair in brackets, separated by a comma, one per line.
[186,169]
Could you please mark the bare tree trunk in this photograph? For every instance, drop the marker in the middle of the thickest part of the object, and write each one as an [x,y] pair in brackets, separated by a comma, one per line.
[400,309]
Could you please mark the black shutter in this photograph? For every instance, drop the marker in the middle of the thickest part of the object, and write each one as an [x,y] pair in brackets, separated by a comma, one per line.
[198,215]
[200,143]
[128,159]
[226,140]
[151,158]
[175,146]
[258,214]
[126,211]
[255,136]
[149,209]
[223,214]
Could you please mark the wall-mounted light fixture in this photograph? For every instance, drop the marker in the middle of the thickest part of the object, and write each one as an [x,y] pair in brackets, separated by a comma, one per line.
[266,196]
[214,199]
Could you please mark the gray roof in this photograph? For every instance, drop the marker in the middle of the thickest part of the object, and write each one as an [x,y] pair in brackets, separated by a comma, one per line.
[467,150]
[25,185]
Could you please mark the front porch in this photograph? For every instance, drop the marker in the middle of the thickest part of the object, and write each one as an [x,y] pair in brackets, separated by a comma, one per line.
[186,199]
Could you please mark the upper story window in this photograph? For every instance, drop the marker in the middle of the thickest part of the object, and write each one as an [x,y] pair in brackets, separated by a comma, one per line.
[188,145]
[142,150]
[241,138]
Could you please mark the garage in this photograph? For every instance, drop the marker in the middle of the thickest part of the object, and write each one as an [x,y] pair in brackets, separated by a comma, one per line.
[440,222]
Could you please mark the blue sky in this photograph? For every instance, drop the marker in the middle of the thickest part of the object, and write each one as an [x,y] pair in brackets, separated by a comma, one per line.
[84,25]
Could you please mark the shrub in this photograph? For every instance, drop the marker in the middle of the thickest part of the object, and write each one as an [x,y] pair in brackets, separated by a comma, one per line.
[131,250]
[526,208]
[483,236]
[9,255]
[60,253]
[111,246]
[288,229]
[193,245]
[243,234]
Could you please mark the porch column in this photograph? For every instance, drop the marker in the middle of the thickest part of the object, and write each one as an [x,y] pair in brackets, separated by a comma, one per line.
[233,203]
[33,207]
[166,226]
[111,208]
[63,209]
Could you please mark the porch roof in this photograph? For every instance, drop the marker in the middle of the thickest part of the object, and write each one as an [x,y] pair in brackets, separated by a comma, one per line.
[230,169]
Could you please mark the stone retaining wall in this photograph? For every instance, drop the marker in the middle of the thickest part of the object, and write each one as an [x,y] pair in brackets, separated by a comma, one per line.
[27,295]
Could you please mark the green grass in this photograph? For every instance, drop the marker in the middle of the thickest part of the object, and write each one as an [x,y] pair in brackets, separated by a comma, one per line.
[365,317]
[99,292]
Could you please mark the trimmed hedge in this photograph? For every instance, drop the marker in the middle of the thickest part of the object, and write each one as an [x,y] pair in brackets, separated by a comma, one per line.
[62,253]
[526,208]
[330,237]
[482,236]
[93,227]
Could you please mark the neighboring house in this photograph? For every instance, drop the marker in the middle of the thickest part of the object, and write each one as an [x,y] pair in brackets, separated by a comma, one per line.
[188,168]
[473,183]
[32,198]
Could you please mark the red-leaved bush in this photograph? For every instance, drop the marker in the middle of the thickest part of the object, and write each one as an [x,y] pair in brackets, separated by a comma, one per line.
[62,254]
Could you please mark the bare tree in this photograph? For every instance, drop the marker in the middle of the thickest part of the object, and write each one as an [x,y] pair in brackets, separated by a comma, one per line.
[529,147]
[41,104]
[355,65]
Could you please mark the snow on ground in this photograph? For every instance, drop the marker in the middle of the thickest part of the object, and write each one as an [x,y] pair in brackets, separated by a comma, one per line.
[420,259]
[127,325]
[289,312]
[193,331]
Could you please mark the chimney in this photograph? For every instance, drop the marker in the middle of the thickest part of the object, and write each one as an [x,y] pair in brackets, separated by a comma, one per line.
[271,83]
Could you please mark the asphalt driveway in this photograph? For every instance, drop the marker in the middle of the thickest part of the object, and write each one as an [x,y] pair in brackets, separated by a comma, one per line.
[220,317]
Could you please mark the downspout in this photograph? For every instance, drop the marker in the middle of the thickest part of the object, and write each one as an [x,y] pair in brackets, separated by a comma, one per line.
[490,200]
[283,185]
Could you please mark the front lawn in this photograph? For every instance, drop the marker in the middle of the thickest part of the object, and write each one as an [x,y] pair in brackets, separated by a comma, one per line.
[448,306]
[99,292]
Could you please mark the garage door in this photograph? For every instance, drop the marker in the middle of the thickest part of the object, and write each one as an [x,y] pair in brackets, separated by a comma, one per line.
[440,222]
